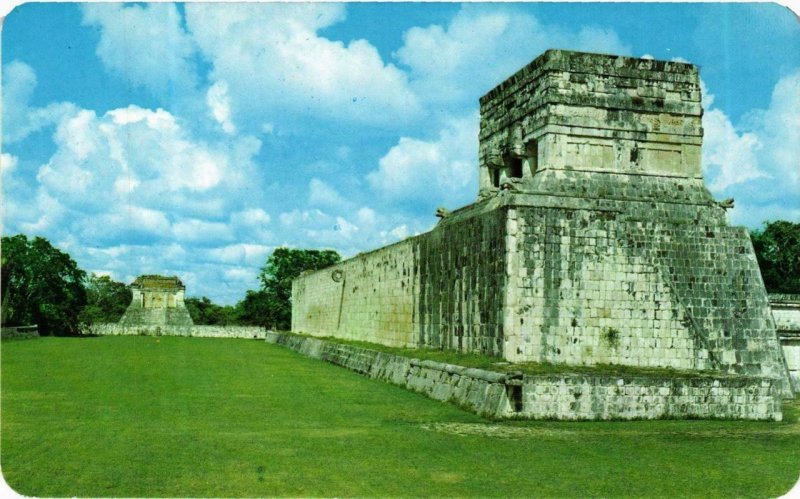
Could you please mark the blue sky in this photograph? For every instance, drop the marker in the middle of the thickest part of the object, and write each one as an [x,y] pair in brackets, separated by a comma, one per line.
[192,139]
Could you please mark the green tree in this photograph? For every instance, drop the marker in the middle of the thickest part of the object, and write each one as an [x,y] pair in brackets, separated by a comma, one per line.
[254,309]
[777,248]
[106,300]
[41,285]
[276,281]
[206,312]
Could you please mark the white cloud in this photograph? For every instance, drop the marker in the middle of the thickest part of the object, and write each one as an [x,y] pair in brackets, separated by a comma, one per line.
[321,194]
[7,163]
[758,161]
[241,254]
[135,180]
[274,61]
[731,155]
[220,106]
[398,233]
[126,222]
[136,153]
[19,118]
[144,44]
[240,274]
[348,231]
[35,216]
[779,129]
[443,170]
[252,226]
[481,46]
[254,217]
[200,231]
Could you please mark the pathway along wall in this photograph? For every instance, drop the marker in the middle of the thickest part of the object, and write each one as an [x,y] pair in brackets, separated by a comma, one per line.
[557,396]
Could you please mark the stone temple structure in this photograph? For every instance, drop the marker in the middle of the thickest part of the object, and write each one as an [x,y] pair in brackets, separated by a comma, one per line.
[593,238]
[786,311]
[157,301]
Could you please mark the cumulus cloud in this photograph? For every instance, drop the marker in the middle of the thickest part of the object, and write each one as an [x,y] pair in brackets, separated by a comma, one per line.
[241,253]
[147,155]
[202,232]
[779,129]
[322,194]
[220,106]
[348,232]
[145,45]
[443,169]
[123,222]
[134,178]
[757,161]
[254,217]
[275,61]
[482,46]
[20,119]
[728,155]
[7,163]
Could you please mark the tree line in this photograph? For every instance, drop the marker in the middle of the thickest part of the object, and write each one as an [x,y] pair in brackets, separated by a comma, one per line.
[43,285]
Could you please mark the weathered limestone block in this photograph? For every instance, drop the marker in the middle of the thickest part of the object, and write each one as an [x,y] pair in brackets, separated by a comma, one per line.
[572,397]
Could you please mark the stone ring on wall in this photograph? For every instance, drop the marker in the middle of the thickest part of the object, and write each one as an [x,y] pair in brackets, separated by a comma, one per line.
[337,275]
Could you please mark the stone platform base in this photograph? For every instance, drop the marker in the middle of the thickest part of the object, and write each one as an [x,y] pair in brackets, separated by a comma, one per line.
[19,332]
[555,396]
[250,332]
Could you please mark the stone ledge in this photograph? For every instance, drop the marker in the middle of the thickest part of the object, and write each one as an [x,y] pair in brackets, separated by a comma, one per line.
[553,396]
[19,332]
[202,331]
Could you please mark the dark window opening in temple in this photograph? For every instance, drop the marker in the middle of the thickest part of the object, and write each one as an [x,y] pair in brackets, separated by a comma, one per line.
[495,176]
[533,156]
[514,167]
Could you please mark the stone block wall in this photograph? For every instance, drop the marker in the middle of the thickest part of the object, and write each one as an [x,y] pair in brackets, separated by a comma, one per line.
[19,332]
[163,316]
[204,331]
[369,297]
[558,396]
[786,312]
[552,280]
[442,289]
[584,397]
[594,239]
[462,281]
[608,287]
[572,111]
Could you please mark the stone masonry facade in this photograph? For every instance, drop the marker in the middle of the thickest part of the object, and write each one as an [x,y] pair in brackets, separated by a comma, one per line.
[786,312]
[554,396]
[157,301]
[593,239]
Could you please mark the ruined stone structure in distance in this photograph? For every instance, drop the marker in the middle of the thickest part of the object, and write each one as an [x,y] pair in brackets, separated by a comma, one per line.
[157,301]
[593,238]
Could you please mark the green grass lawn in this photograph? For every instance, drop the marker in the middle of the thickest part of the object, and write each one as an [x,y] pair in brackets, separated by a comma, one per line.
[146,416]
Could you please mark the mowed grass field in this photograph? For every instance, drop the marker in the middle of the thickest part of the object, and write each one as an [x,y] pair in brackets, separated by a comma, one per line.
[146,416]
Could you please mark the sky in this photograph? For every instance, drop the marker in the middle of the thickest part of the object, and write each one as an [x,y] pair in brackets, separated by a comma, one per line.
[193,139]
